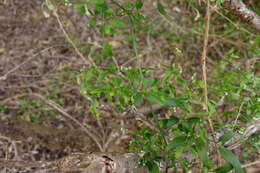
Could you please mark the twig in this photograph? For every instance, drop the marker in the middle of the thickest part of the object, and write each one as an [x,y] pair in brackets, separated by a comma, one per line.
[13,143]
[239,113]
[251,129]
[59,109]
[230,21]
[4,77]
[89,61]
[204,74]
[251,164]
[140,116]
[111,137]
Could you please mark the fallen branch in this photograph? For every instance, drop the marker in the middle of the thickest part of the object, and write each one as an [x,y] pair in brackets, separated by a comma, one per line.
[238,8]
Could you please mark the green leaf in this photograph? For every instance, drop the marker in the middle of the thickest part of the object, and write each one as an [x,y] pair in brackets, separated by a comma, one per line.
[152,166]
[171,102]
[80,8]
[109,12]
[93,108]
[202,150]
[138,4]
[177,142]
[100,6]
[167,123]
[128,5]
[226,137]
[102,76]
[172,121]
[185,127]
[107,50]
[231,158]
[154,98]
[92,22]
[4,109]
[194,120]
[161,9]
[224,168]
[179,151]
[149,82]
[115,22]
[138,99]
[106,29]
[212,107]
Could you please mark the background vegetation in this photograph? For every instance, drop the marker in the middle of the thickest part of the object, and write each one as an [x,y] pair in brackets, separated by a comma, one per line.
[146,55]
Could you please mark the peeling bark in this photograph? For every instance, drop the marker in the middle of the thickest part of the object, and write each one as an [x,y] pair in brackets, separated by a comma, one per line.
[238,8]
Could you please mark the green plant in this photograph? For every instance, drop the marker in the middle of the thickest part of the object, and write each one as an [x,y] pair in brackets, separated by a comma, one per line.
[184,134]
[4,109]
[33,110]
[129,87]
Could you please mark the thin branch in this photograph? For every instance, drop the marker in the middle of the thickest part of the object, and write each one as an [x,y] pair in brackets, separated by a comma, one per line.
[238,8]
[89,61]
[251,164]
[250,129]
[4,77]
[239,113]
[204,55]
[204,73]
[59,109]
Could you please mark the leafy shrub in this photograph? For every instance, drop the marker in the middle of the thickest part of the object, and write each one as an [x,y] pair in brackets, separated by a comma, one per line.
[183,136]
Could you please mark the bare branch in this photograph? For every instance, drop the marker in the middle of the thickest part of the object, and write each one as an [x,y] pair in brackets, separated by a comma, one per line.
[65,114]
[238,8]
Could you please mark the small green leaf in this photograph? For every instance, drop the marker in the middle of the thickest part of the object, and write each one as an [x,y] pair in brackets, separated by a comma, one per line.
[161,9]
[152,166]
[227,136]
[80,8]
[167,123]
[172,121]
[171,102]
[109,12]
[179,151]
[184,127]
[202,150]
[177,142]
[154,98]
[224,168]
[106,29]
[137,99]
[149,82]
[115,22]
[194,120]
[138,4]
[107,50]
[93,108]
[212,107]
[99,5]
[231,158]
[92,22]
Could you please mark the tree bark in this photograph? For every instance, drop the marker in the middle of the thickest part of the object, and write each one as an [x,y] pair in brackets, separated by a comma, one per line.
[238,8]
